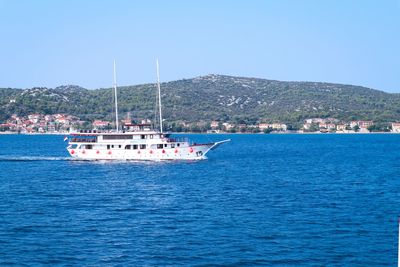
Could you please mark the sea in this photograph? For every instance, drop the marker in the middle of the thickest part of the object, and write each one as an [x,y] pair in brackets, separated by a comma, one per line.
[259,200]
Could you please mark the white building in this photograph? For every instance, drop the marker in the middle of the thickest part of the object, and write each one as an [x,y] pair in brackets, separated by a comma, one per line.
[396,127]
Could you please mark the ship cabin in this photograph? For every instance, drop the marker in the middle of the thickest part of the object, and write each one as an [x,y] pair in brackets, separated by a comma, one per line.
[125,141]
[133,127]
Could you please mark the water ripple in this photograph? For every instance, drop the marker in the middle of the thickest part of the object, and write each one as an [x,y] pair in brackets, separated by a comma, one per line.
[283,200]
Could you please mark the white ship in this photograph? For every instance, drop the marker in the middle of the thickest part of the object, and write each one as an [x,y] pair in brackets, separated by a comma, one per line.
[138,142]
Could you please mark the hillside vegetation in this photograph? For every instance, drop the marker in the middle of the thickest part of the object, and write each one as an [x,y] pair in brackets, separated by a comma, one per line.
[226,98]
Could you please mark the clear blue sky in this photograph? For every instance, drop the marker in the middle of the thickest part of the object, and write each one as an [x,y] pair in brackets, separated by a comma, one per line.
[51,43]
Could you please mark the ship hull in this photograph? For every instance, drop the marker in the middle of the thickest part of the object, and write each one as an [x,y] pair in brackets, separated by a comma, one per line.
[195,152]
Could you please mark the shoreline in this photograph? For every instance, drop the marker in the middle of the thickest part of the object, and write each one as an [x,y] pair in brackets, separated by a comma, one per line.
[272,133]
[14,133]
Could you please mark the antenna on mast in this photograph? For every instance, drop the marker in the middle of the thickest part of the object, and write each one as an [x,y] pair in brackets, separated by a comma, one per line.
[116,99]
[159,96]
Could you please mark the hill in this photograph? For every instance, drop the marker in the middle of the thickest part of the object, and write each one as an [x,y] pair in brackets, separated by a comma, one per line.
[235,99]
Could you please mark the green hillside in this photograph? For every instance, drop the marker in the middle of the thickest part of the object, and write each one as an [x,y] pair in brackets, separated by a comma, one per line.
[210,97]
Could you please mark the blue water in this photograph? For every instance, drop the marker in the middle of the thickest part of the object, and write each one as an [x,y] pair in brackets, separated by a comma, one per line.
[268,200]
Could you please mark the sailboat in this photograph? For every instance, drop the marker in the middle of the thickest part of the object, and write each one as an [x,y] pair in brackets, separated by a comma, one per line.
[141,142]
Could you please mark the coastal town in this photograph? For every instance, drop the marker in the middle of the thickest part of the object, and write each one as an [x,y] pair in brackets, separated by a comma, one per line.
[64,123]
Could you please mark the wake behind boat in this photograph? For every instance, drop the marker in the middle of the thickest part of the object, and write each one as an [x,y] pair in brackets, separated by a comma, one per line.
[138,142]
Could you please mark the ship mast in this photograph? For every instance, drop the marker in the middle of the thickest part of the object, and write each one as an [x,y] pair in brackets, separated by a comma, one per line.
[159,96]
[116,99]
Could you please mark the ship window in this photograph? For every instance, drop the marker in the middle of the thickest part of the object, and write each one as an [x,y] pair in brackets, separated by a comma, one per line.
[112,146]
[151,136]
[119,146]
[128,147]
[178,144]
[142,146]
[89,146]
[84,138]
[142,136]
[108,146]
[172,145]
[165,145]
[159,146]
[135,146]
